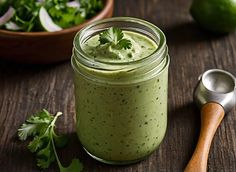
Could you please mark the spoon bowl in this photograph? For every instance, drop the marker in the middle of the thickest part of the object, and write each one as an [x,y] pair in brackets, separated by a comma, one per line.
[217,86]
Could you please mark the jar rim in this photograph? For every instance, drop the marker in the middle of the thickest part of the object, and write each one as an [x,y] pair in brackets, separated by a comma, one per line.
[157,35]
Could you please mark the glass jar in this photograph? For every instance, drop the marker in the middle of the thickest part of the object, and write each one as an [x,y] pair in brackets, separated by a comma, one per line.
[121,108]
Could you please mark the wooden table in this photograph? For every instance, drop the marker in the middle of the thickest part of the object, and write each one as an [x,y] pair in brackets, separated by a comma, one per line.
[25,89]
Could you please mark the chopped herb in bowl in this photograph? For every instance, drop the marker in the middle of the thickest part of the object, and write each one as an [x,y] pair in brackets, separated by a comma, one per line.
[46,15]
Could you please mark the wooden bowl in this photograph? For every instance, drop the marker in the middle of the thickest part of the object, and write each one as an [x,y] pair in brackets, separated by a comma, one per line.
[44,47]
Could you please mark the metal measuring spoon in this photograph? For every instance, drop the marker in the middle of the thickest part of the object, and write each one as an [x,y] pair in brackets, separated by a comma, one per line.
[215,95]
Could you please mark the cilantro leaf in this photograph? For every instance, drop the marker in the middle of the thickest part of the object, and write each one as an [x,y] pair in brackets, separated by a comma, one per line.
[60,141]
[45,152]
[26,130]
[124,43]
[45,162]
[41,117]
[114,37]
[90,7]
[45,156]
[26,14]
[75,166]
[40,127]
[66,16]
[35,124]
[35,144]
[111,35]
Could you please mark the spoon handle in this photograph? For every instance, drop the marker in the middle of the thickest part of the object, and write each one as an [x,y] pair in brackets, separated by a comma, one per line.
[211,116]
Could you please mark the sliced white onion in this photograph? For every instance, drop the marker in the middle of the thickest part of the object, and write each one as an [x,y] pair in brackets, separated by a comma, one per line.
[40,1]
[46,21]
[7,16]
[74,4]
[12,26]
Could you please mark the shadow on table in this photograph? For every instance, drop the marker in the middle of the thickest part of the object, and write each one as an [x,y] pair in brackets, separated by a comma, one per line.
[12,72]
[11,67]
[23,160]
[182,133]
[75,150]
[16,157]
[188,33]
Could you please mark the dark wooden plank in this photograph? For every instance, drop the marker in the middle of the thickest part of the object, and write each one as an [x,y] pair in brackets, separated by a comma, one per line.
[26,89]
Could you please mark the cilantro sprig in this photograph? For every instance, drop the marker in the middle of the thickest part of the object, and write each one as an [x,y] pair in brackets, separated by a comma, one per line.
[41,128]
[114,37]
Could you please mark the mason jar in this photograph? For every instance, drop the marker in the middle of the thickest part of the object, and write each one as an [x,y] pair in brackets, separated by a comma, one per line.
[121,108]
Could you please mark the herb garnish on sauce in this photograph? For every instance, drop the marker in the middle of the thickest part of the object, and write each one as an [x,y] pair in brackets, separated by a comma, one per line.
[114,37]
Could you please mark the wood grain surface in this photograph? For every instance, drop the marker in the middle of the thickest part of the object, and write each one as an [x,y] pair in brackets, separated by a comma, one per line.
[25,89]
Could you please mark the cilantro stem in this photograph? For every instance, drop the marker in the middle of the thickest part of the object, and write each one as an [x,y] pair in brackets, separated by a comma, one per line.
[54,150]
[55,118]
[52,125]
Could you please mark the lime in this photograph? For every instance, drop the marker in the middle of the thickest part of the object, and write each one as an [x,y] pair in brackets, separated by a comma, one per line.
[215,15]
[46,21]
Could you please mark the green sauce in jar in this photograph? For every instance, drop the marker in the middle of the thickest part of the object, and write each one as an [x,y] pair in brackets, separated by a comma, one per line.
[142,46]
[121,95]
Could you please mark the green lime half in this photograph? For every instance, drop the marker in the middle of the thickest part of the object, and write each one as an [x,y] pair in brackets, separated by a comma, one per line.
[215,15]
